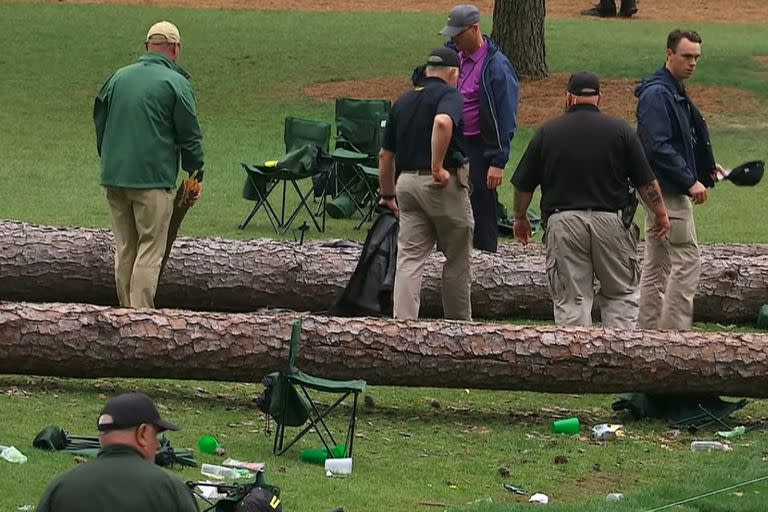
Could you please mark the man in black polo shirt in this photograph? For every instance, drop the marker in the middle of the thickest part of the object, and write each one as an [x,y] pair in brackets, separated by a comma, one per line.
[422,149]
[124,477]
[584,162]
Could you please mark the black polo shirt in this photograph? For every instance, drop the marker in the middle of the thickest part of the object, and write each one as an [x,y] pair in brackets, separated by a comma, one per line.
[582,160]
[409,129]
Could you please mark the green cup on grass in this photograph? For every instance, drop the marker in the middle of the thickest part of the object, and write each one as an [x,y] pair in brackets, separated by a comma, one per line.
[566,426]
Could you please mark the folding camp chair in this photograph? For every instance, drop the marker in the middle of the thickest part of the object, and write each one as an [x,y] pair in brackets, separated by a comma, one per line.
[291,405]
[359,130]
[305,142]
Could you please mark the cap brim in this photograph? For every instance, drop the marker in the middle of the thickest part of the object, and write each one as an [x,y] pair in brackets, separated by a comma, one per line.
[451,31]
[162,426]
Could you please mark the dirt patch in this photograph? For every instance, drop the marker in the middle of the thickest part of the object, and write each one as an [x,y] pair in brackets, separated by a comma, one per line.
[544,99]
[761,59]
[747,11]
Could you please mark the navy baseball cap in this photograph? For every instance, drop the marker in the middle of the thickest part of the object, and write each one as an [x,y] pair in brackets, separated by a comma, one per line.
[131,410]
[460,19]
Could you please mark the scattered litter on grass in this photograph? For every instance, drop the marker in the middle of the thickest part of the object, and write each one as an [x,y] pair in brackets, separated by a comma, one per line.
[736,432]
[434,504]
[25,507]
[503,471]
[540,498]
[11,454]
[608,432]
[614,497]
[405,434]
[515,490]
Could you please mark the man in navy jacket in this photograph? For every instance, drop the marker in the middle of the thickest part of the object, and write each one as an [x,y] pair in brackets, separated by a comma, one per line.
[490,87]
[676,141]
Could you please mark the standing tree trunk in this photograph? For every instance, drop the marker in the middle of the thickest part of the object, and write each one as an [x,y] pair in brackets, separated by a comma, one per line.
[518,27]
[77,340]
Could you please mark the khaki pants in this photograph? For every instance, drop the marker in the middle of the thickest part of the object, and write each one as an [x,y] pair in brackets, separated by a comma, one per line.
[431,214]
[140,219]
[671,269]
[586,245]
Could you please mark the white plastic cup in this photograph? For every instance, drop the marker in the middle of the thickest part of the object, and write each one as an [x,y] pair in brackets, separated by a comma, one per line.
[339,466]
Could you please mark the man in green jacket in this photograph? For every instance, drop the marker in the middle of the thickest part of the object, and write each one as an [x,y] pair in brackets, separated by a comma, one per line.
[146,124]
[124,477]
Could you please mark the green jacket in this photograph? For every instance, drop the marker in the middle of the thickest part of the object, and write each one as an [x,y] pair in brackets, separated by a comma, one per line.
[119,480]
[145,120]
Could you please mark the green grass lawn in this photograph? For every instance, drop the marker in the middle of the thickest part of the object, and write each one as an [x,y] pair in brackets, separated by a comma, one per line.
[249,69]
[414,446]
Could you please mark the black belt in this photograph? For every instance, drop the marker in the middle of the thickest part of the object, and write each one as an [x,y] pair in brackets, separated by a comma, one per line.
[424,172]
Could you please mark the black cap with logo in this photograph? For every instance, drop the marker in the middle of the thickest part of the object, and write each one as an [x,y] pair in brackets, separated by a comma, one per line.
[131,410]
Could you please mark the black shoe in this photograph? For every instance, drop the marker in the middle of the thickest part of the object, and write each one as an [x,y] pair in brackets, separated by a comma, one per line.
[597,11]
[628,8]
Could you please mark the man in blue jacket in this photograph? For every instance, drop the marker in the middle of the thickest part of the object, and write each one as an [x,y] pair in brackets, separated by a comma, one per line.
[676,141]
[489,85]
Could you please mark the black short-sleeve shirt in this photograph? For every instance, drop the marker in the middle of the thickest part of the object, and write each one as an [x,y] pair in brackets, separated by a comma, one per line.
[409,129]
[583,160]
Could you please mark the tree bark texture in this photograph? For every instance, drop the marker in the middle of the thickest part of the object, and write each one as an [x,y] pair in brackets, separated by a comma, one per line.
[77,340]
[45,264]
[518,27]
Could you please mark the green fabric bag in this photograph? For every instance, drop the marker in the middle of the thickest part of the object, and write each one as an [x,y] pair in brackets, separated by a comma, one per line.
[295,405]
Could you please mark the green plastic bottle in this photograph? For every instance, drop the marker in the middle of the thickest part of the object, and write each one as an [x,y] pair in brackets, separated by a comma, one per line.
[319,456]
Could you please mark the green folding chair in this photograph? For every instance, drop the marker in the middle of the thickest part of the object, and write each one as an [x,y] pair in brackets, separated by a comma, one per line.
[291,404]
[305,142]
[359,130]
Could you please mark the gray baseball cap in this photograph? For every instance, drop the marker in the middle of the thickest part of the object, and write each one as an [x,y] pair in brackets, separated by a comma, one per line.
[460,19]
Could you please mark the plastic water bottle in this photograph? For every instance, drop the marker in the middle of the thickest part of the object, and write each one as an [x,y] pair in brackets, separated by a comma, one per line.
[708,446]
[220,472]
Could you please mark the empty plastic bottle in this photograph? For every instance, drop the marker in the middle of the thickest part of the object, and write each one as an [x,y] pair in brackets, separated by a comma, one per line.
[708,446]
[222,473]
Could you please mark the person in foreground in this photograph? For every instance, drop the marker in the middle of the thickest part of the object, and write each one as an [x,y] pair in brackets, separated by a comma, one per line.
[124,477]
[146,121]
[423,139]
[676,141]
[584,162]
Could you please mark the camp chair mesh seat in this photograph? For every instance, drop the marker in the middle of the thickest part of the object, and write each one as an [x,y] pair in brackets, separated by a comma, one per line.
[359,131]
[306,141]
[291,404]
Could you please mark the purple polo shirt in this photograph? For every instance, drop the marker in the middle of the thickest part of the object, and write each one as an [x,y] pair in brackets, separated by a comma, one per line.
[469,84]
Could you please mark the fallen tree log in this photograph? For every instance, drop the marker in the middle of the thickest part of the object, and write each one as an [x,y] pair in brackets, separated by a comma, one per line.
[77,340]
[46,264]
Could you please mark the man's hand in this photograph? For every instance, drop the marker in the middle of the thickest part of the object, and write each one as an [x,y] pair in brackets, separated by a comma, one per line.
[698,192]
[522,229]
[495,177]
[661,226]
[391,205]
[720,173]
[196,193]
[441,176]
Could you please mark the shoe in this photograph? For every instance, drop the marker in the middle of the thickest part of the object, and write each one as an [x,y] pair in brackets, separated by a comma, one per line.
[628,8]
[597,11]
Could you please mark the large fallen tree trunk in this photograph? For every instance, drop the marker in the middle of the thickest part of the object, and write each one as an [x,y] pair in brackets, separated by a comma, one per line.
[75,265]
[77,340]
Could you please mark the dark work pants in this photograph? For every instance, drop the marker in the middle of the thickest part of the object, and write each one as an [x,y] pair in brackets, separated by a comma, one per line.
[483,200]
